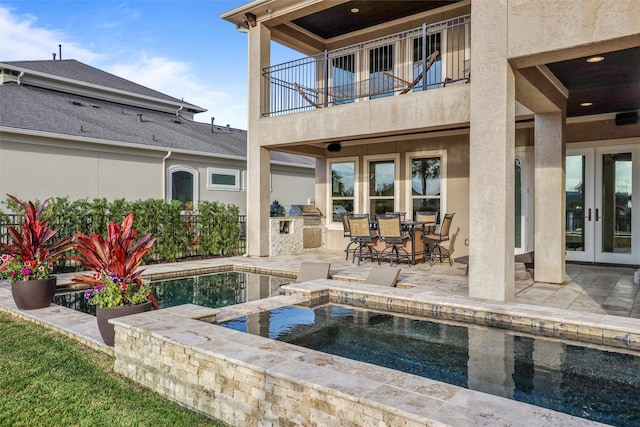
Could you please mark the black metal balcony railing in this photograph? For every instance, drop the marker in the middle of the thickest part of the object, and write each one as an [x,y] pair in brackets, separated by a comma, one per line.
[428,57]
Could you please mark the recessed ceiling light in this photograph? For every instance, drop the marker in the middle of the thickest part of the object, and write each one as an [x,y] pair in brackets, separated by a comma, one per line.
[586,104]
[355,10]
[595,59]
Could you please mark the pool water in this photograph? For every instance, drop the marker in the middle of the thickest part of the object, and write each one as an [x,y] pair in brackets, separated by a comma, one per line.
[212,290]
[587,382]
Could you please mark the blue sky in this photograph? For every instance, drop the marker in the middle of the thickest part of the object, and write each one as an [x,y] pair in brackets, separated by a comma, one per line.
[179,47]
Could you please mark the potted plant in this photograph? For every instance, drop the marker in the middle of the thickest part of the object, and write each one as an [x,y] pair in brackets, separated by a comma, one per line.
[29,257]
[116,288]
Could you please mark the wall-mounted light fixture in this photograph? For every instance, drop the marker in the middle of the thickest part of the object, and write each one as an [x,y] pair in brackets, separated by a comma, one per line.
[251,18]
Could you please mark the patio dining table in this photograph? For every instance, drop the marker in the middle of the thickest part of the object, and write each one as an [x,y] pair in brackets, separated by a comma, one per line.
[414,230]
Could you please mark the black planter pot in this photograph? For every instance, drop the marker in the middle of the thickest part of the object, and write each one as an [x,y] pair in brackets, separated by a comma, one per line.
[104,314]
[33,294]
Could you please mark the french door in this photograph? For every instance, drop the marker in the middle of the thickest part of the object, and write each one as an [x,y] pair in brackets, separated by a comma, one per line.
[600,221]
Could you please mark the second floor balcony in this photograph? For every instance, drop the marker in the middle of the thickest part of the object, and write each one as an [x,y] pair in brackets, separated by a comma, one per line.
[428,57]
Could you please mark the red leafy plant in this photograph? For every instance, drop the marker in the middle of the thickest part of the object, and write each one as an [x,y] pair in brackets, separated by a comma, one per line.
[115,260]
[32,251]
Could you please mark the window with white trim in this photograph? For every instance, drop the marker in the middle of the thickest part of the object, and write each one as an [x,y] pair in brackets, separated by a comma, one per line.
[182,185]
[223,179]
[382,187]
[342,187]
[426,172]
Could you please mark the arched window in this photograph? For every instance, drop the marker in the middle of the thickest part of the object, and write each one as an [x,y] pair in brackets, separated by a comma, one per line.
[182,184]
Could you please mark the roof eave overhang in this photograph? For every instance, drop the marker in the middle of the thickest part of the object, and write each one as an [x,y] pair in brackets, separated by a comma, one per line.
[6,131]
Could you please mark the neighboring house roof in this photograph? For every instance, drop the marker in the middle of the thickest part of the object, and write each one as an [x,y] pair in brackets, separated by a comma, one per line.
[79,72]
[35,109]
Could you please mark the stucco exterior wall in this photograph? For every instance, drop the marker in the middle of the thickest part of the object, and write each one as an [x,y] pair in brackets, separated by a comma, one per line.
[456,194]
[38,168]
[377,117]
[537,26]
[292,187]
[33,171]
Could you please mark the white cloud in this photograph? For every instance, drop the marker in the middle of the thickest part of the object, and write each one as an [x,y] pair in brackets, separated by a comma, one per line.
[23,40]
[177,79]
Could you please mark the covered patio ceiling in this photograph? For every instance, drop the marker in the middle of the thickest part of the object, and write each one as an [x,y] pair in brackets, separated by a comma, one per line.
[358,14]
[610,85]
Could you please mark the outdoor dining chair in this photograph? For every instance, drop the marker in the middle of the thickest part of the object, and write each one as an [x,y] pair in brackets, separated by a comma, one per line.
[429,220]
[361,236]
[346,232]
[390,232]
[432,241]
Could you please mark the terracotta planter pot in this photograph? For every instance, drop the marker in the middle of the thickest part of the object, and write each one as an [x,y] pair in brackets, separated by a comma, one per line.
[104,314]
[33,294]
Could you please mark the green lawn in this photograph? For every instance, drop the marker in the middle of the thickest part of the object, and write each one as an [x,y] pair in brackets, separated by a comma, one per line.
[49,380]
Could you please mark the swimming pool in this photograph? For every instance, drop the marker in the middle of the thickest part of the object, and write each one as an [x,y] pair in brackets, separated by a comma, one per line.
[587,382]
[211,290]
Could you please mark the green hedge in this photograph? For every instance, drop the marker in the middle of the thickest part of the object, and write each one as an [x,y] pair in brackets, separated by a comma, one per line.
[213,230]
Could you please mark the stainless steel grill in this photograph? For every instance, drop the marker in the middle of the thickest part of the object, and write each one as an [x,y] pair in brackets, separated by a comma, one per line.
[305,211]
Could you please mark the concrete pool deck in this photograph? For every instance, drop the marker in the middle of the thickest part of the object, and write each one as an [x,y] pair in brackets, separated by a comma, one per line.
[596,306]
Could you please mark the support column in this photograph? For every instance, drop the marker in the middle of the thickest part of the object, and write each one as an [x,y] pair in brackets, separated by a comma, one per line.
[491,152]
[258,158]
[550,199]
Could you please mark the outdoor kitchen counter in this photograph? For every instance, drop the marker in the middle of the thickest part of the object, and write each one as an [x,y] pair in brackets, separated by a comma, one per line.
[296,234]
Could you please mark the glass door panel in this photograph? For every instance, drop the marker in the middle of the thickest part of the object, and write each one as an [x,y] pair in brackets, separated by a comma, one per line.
[381,84]
[518,203]
[613,214]
[343,79]
[599,215]
[575,201]
[579,231]
[523,201]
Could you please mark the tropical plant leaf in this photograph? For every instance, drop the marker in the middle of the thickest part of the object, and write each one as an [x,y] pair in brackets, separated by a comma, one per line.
[33,240]
[120,253]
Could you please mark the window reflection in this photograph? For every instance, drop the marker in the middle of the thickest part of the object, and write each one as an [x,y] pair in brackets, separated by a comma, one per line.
[575,200]
[616,203]
[182,187]
[434,73]
[425,184]
[380,66]
[343,79]
[381,186]
[342,189]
